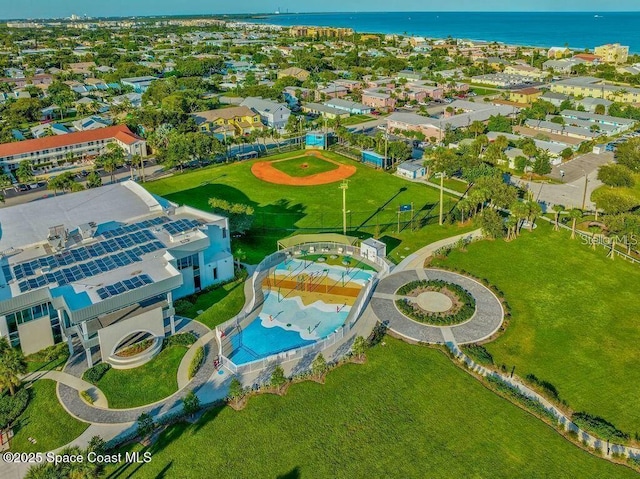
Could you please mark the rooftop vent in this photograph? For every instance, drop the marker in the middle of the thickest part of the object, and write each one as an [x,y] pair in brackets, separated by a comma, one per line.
[57,237]
[88,230]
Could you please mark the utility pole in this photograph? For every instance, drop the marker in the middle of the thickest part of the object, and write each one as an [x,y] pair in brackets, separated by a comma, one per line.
[584,194]
[344,187]
[440,221]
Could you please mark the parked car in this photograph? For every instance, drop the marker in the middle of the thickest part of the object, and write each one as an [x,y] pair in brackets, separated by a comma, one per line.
[23,187]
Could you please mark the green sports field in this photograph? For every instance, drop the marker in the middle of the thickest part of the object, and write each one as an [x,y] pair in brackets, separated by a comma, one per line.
[575,318]
[373,200]
[407,413]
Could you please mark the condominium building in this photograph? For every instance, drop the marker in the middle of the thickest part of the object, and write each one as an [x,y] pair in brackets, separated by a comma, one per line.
[48,152]
[612,53]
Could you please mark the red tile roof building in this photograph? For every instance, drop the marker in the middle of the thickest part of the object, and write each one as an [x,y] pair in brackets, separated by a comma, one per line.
[48,151]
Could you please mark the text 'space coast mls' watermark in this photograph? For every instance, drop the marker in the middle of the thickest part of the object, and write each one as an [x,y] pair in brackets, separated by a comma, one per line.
[91,457]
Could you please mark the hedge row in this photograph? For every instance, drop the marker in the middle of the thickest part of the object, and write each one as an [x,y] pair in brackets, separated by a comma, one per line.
[463,314]
[196,362]
[598,426]
[180,339]
[478,353]
[12,406]
[94,374]
[514,393]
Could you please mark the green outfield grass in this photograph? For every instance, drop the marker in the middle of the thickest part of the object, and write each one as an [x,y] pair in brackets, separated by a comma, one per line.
[407,413]
[46,421]
[151,382]
[575,318]
[304,166]
[373,200]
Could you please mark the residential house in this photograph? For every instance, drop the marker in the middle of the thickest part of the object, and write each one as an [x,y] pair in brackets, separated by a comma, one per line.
[48,129]
[295,72]
[275,115]
[555,99]
[379,99]
[134,99]
[564,66]
[139,84]
[91,123]
[350,85]
[354,108]
[527,71]
[331,91]
[82,68]
[525,96]
[324,111]
[558,52]
[234,121]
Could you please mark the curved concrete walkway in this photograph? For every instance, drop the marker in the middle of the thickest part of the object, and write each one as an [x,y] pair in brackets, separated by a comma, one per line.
[73,382]
[482,325]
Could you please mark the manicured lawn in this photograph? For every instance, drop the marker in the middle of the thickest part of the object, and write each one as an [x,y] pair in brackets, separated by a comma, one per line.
[151,382]
[224,305]
[373,200]
[208,299]
[46,421]
[356,119]
[575,318]
[305,166]
[633,192]
[408,412]
[452,184]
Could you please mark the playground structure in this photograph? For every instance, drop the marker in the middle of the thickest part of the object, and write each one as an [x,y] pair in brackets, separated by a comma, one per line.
[302,305]
[265,171]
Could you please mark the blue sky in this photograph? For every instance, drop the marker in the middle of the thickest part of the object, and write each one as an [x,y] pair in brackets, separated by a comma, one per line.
[64,8]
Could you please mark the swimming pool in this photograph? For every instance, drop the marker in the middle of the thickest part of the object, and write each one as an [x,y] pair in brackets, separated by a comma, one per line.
[291,319]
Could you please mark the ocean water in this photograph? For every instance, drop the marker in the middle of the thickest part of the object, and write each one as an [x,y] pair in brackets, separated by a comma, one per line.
[544,29]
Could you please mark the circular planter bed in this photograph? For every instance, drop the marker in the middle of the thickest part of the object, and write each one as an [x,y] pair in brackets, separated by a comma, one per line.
[436,302]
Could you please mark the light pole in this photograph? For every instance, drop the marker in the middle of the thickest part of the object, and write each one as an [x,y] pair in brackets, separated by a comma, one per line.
[584,194]
[344,187]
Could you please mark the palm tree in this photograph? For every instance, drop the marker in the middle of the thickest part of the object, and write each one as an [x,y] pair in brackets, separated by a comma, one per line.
[512,226]
[575,214]
[520,211]
[476,128]
[534,210]
[138,162]
[12,366]
[557,210]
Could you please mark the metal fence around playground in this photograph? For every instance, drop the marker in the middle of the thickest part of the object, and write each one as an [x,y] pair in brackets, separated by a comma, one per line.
[225,331]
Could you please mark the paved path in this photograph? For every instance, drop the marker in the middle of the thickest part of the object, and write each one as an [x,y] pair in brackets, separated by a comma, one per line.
[72,382]
[482,325]
[416,260]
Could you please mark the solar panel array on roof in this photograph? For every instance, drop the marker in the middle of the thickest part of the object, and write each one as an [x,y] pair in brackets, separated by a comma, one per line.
[180,226]
[91,268]
[6,270]
[143,225]
[76,255]
[124,286]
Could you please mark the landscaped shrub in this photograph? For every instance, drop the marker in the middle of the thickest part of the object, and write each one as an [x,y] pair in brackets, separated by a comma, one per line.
[136,348]
[50,353]
[599,426]
[12,406]
[478,353]
[94,374]
[514,393]
[182,306]
[466,310]
[548,388]
[180,339]
[86,396]
[196,362]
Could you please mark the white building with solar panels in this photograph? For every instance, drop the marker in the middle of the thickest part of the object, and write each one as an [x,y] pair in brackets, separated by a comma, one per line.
[101,268]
